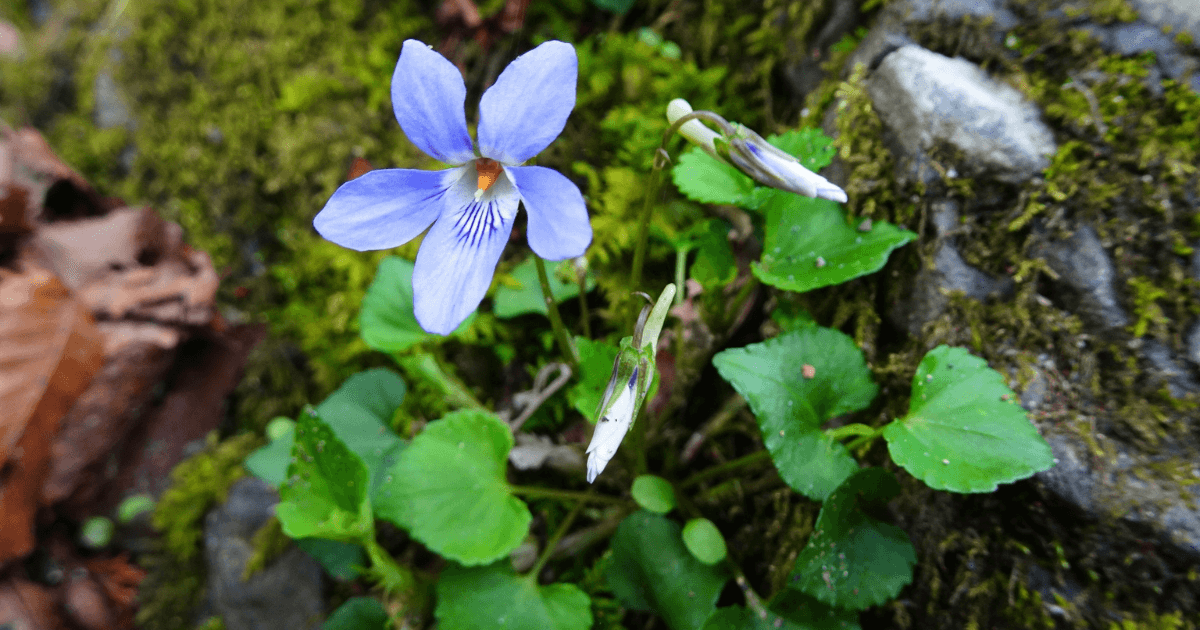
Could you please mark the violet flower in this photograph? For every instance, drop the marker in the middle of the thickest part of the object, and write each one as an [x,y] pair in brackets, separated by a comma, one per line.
[472,204]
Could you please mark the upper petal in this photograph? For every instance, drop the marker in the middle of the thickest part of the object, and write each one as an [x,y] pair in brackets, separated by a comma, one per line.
[385,208]
[558,220]
[527,107]
[458,257]
[427,96]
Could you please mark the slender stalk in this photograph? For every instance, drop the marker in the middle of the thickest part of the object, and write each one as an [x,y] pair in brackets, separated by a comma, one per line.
[585,318]
[848,430]
[565,495]
[397,580]
[741,462]
[865,439]
[553,542]
[560,331]
[643,235]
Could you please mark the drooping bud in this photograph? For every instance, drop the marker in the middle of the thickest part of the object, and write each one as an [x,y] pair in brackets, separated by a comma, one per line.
[747,151]
[633,373]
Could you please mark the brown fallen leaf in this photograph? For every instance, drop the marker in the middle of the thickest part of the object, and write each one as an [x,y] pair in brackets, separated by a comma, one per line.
[56,191]
[25,605]
[50,350]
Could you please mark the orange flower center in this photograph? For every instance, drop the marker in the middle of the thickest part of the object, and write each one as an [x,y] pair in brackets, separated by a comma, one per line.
[489,171]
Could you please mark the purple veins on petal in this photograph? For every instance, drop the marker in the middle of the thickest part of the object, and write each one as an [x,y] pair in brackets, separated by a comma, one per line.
[384,208]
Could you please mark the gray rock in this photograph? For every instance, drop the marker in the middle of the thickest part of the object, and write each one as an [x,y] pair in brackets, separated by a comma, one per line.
[1164,368]
[953,10]
[931,289]
[111,107]
[1180,15]
[1087,275]
[929,100]
[286,595]
[1193,343]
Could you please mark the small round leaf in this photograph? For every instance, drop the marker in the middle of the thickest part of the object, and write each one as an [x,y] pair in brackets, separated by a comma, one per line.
[704,540]
[654,494]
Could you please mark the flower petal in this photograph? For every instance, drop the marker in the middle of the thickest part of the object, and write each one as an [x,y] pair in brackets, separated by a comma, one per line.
[385,208]
[528,106]
[458,256]
[558,219]
[427,96]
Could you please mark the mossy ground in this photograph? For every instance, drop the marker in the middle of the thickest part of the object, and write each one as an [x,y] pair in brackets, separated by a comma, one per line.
[247,116]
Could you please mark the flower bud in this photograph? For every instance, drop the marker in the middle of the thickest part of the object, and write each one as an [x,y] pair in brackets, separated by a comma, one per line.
[750,153]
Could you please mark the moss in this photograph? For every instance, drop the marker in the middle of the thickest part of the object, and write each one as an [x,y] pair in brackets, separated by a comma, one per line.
[1146,308]
[268,543]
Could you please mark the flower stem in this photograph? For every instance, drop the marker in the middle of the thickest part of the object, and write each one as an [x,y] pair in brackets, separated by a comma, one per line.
[565,495]
[560,331]
[741,462]
[643,235]
[865,439]
[584,317]
[558,534]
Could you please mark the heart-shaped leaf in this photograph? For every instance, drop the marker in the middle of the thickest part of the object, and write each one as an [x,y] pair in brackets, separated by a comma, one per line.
[387,321]
[809,244]
[794,383]
[652,570]
[448,489]
[325,495]
[852,560]
[360,413]
[964,431]
[493,597]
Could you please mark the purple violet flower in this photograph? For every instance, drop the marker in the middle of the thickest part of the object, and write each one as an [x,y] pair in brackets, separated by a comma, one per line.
[472,204]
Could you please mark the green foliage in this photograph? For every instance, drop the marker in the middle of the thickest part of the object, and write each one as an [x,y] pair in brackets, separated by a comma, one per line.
[964,431]
[523,292]
[358,613]
[651,569]
[791,407]
[387,320]
[360,414]
[596,360]
[326,492]
[492,596]
[654,494]
[270,462]
[853,560]
[704,540]
[706,179]
[809,244]
[197,484]
[449,490]
[341,560]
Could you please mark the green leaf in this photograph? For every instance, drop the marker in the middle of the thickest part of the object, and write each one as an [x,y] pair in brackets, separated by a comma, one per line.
[449,490]
[342,560]
[704,540]
[527,296]
[652,570]
[387,321]
[360,413]
[616,6]
[714,266]
[702,177]
[270,462]
[325,494]
[596,360]
[358,613]
[964,431]
[791,408]
[493,597]
[654,494]
[810,146]
[809,245]
[852,560]
[790,610]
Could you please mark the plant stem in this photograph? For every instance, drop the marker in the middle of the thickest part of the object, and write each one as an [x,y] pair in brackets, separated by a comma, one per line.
[865,439]
[741,462]
[560,331]
[643,235]
[396,579]
[846,431]
[558,534]
[585,318]
[565,495]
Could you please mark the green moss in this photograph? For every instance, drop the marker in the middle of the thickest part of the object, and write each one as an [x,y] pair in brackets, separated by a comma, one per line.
[268,543]
[1146,308]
